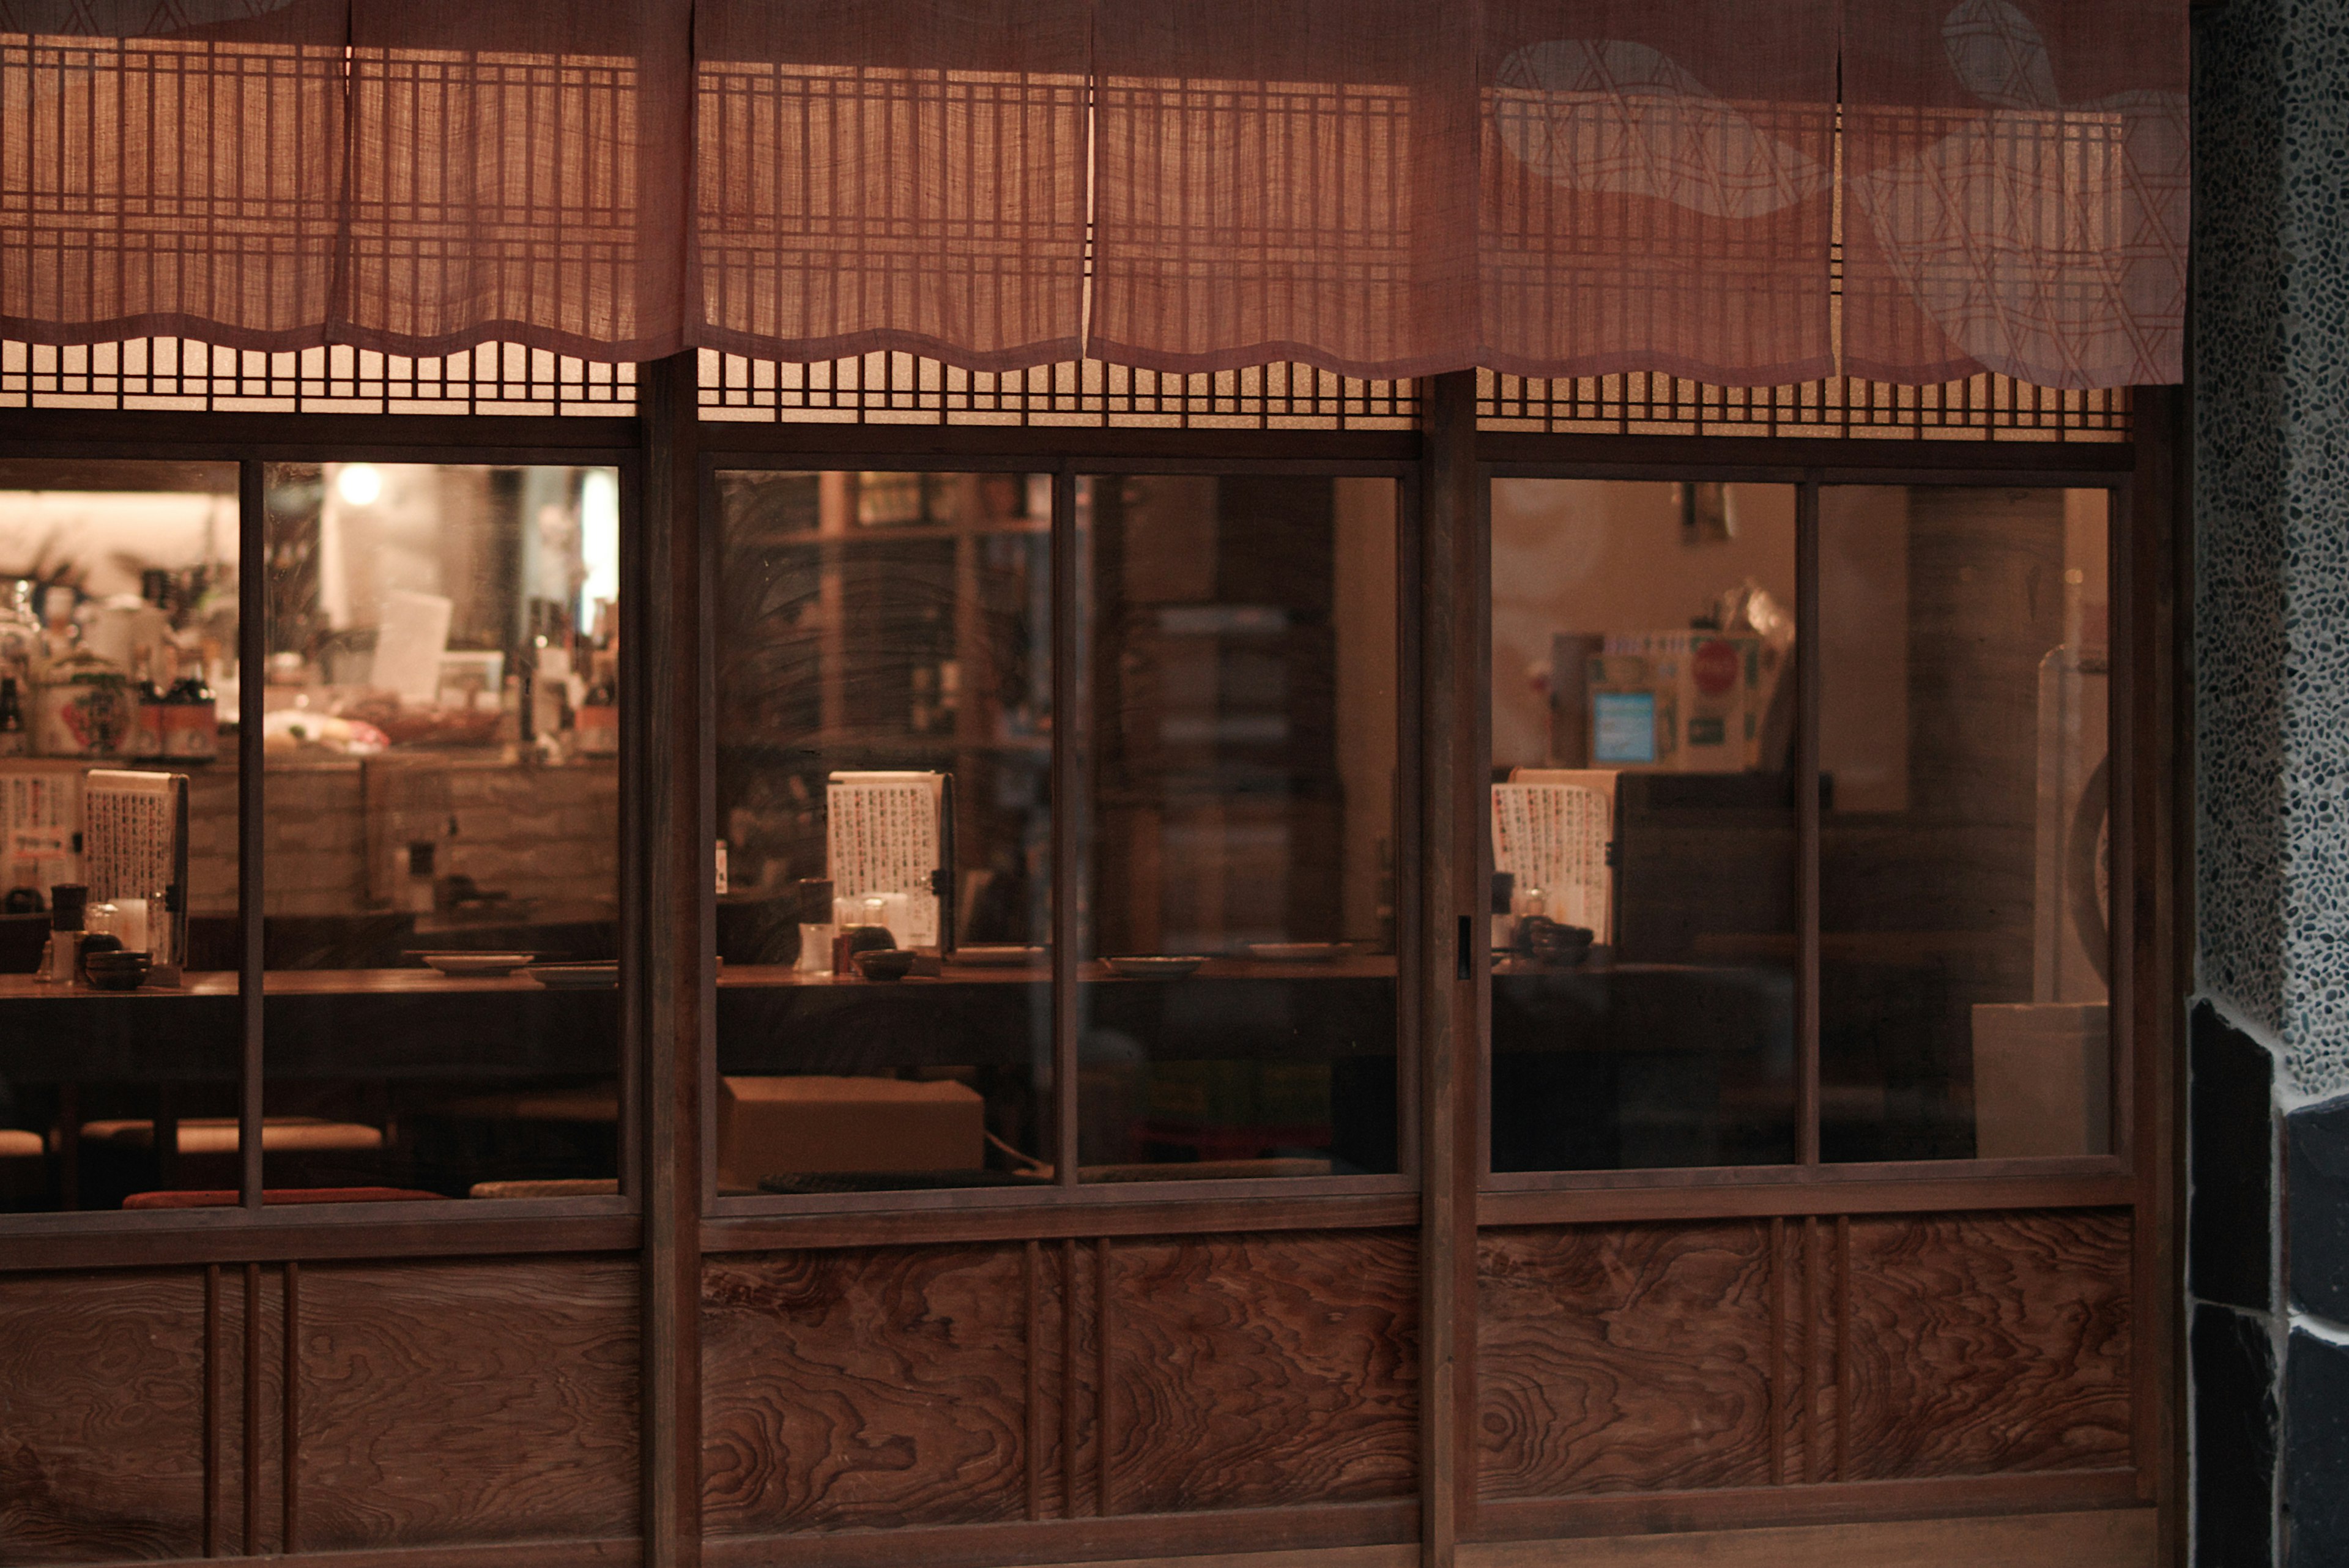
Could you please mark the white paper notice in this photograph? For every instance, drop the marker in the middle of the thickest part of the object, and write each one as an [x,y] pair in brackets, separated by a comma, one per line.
[1554,838]
[409,644]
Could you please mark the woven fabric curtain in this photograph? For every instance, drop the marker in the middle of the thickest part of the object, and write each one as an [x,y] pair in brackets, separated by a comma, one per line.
[170,172]
[515,175]
[1657,188]
[892,174]
[1377,187]
[2015,191]
[1283,180]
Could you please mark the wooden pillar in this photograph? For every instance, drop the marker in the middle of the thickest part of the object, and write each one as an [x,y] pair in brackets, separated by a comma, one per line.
[1454,956]
[676,893]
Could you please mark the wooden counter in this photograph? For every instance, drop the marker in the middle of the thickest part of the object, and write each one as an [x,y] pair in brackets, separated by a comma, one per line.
[411,1023]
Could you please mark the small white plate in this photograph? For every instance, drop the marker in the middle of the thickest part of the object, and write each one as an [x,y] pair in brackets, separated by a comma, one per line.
[475,962]
[999,957]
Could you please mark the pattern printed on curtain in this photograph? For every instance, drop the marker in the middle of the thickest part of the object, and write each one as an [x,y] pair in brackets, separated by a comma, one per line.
[1382,187]
[1657,188]
[2015,191]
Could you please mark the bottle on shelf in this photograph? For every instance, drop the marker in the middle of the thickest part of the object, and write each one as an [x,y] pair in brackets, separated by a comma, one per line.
[192,719]
[68,903]
[149,712]
[15,739]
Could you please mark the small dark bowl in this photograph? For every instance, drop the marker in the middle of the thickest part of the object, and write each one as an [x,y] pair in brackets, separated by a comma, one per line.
[884,963]
[117,970]
[1555,945]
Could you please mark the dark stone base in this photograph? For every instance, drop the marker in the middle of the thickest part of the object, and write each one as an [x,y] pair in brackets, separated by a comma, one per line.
[2234,1440]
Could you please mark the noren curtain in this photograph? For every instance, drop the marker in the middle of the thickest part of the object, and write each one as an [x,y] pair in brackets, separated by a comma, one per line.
[1379,187]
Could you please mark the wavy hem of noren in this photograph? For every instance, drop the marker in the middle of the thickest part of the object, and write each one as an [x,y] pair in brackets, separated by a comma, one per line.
[1612,363]
[1963,368]
[218,334]
[888,340]
[214,333]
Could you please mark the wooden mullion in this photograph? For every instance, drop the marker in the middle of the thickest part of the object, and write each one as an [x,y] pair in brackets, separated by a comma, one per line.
[1807,611]
[213,1447]
[635,675]
[253,693]
[675,969]
[2153,738]
[251,1535]
[1451,959]
[289,1450]
[1411,927]
[1067,802]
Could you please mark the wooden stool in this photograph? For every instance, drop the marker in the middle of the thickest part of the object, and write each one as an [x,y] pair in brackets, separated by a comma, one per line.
[274,1196]
[298,1152]
[218,1134]
[578,1187]
[23,1166]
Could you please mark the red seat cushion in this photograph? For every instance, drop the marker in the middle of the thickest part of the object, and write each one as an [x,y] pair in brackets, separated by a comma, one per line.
[205,1198]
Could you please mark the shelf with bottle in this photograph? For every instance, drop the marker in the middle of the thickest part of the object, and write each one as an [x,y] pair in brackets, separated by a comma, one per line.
[118,679]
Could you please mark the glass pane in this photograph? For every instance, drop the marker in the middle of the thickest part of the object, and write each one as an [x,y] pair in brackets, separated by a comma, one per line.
[1238,988]
[442,799]
[884,739]
[1964,847]
[117,820]
[1642,825]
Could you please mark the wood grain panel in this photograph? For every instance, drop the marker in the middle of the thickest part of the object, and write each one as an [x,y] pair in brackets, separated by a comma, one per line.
[2104,1538]
[1609,1358]
[877,1387]
[1254,1371]
[448,1403]
[1984,1345]
[101,1416]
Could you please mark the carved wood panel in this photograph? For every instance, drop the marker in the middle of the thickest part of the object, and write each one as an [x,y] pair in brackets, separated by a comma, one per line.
[1256,1371]
[869,1387]
[1989,1344]
[101,1416]
[466,1402]
[1612,1358]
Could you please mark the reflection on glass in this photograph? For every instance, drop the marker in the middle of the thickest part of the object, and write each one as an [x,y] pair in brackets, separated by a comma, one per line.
[441,800]
[1965,849]
[117,832]
[1642,914]
[884,738]
[1238,1004]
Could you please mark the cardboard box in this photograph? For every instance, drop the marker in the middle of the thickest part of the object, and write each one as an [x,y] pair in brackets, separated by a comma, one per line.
[795,1125]
[2043,1079]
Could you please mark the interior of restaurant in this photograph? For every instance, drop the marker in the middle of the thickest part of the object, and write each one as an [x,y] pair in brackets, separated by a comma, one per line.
[440,874]
[1644,692]
[440,811]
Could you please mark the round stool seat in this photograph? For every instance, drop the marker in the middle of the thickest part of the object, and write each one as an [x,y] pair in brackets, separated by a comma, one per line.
[218,1134]
[563,1187]
[15,1143]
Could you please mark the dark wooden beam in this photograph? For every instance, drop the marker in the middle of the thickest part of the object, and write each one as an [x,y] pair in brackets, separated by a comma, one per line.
[1453,961]
[673,969]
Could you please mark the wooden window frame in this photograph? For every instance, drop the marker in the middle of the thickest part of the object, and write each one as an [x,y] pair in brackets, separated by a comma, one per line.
[668,1216]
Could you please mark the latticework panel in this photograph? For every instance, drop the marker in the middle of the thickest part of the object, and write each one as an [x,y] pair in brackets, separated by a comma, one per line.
[170,374]
[901,388]
[880,388]
[1981,408]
